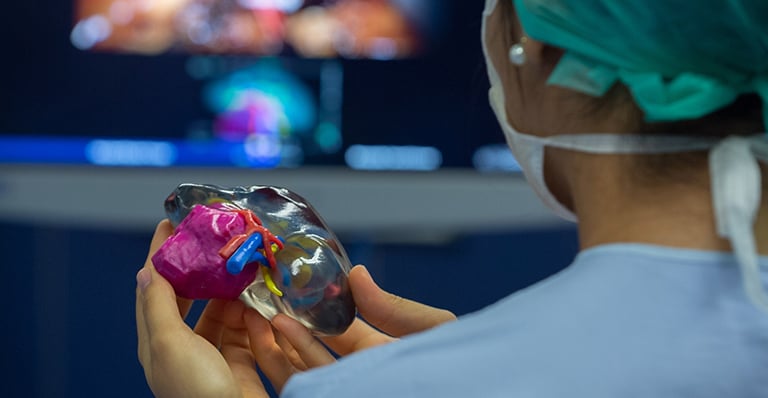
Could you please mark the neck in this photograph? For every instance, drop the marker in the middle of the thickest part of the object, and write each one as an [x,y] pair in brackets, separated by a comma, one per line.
[613,206]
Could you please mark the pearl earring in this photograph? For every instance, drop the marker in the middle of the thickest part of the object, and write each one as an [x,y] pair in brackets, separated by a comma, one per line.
[517,53]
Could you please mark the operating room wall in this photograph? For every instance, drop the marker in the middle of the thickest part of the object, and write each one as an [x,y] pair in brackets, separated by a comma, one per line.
[69,326]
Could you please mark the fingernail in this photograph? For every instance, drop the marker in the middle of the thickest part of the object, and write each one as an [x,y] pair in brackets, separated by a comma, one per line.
[143,278]
[362,268]
[282,322]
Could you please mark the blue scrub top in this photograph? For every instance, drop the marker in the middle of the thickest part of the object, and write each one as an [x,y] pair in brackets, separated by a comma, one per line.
[624,320]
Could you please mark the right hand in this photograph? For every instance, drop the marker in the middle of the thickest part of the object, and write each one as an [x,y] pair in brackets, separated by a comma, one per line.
[291,348]
[212,360]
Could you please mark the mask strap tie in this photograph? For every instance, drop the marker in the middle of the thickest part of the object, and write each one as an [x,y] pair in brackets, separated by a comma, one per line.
[736,188]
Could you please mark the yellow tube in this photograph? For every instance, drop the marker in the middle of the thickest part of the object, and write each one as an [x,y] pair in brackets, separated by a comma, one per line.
[269,282]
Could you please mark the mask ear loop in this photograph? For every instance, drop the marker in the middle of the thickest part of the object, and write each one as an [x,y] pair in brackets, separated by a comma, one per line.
[736,188]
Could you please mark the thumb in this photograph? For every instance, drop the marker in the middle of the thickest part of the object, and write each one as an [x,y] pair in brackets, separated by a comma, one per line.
[157,304]
[390,313]
[157,309]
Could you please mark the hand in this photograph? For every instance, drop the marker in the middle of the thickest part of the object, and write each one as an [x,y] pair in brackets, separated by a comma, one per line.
[213,360]
[290,347]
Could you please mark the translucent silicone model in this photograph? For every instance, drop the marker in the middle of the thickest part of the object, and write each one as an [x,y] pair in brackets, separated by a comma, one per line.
[307,279]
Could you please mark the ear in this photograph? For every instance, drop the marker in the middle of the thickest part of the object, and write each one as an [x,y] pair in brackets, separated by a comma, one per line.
[542,55]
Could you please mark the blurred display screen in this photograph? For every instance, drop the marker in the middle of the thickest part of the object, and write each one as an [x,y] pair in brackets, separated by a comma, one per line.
[261,113]
[365,84]
[272,112]
[378,29]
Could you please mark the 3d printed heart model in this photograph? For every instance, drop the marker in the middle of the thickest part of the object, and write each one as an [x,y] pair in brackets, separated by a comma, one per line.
[264,245]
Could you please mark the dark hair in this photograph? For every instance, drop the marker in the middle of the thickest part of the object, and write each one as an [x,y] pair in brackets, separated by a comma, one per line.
[742,117]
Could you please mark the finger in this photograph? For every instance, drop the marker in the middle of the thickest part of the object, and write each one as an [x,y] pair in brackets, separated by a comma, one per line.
[211,323]
[288,350]
[142,331]
[390,313]
[162,232]
[158,312]
[358,336]
[241,363]
[312,352]
[269,356]
[157,317]
[236,350]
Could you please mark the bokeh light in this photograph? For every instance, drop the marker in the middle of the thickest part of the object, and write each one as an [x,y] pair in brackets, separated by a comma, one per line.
[264,107]
[376,29]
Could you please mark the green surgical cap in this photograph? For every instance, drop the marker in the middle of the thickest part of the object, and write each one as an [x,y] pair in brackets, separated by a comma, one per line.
[681,59]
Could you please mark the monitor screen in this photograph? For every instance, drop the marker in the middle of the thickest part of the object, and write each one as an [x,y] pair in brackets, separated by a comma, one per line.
[378,29]
[366,84]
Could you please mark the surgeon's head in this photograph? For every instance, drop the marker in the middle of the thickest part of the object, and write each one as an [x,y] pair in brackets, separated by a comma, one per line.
[663,66]
[647,67]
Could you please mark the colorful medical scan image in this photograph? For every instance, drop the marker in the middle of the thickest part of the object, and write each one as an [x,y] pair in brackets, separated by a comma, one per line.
[265,245]
[270,112]
[276,116]
[375,29]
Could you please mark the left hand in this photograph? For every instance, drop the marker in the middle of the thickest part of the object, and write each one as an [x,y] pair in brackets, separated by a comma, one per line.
[286,347]
[213,360]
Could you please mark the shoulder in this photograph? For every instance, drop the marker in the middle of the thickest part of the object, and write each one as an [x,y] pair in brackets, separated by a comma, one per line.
[608,326]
